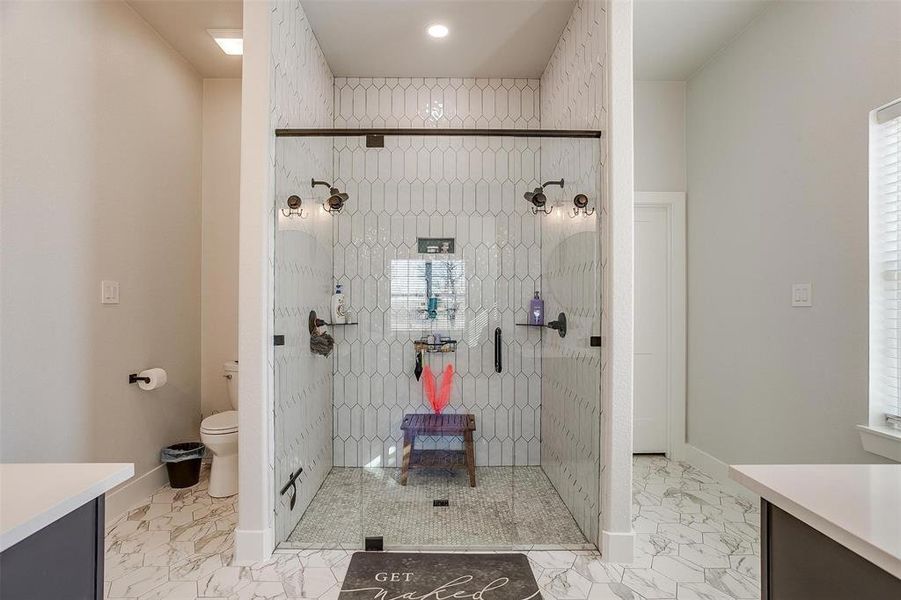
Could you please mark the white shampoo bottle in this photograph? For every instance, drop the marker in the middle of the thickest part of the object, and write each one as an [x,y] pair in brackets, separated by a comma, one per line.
[339,308]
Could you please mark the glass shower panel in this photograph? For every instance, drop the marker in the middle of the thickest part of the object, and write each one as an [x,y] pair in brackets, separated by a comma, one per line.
[557,421]
[302,282]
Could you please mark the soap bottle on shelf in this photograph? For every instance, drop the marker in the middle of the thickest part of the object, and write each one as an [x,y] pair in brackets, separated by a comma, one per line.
[433,307]
[536,310]
[339,308]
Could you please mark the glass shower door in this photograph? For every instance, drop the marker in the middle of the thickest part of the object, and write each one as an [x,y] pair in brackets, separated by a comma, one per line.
[420,249]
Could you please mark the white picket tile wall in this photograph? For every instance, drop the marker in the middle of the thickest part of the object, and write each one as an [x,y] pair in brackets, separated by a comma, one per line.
[468,188]
[573,83]
[302,84]
[574,98]
[419,102]
[301,261]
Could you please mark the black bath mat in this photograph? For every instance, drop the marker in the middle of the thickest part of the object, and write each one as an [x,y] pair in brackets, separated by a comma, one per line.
[394,575]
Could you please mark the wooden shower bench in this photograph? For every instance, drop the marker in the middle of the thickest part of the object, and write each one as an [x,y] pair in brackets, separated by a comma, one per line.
[415,424]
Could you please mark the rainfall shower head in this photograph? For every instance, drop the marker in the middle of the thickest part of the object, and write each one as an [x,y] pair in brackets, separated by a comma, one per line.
[336,199]
[538,199]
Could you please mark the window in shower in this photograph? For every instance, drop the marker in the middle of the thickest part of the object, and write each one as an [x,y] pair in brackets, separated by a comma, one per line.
[415,281]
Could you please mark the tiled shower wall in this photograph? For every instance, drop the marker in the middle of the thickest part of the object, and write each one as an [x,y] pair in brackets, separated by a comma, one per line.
[469,188]
[301,261]
[441,102]
[574,98]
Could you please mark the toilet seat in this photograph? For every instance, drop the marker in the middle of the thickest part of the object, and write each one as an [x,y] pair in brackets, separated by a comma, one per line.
[220,423]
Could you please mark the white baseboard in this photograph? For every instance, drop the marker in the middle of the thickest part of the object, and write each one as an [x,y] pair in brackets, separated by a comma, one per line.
[134,492]
[617,547]
[253,545]
[716,469]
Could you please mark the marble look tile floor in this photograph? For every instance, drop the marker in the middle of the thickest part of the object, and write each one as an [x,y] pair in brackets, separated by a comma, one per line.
[695,541]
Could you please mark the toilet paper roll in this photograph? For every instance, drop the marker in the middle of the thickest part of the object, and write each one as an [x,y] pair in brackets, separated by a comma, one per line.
[157,379]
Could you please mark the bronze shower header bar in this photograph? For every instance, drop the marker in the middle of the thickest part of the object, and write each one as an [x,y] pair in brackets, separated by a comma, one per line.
[533,133]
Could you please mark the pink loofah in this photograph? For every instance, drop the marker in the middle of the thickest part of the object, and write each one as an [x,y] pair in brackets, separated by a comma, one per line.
[428,385]
[442,398]
[447,380]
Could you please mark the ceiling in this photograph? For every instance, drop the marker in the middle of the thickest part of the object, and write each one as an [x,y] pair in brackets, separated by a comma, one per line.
[488,38]
[675,38]
[183,24]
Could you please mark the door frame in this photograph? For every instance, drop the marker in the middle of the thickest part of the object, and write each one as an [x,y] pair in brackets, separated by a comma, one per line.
[674,205]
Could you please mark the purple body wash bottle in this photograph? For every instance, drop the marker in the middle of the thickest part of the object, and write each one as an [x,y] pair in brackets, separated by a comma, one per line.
[536,310]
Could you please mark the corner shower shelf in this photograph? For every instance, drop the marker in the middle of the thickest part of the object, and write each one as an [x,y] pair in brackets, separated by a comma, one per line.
[559,325]
[315,323]
[436,348]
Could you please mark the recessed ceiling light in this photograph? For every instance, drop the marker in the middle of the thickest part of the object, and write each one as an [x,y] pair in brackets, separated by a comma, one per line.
[438,30]
[230,40]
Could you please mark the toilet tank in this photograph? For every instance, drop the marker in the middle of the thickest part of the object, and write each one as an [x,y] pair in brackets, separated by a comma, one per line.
[231,377]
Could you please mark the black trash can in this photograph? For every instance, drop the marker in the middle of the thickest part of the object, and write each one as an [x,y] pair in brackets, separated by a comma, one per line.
[183,463]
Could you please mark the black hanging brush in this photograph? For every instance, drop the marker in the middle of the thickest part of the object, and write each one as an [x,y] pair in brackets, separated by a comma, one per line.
[418,370]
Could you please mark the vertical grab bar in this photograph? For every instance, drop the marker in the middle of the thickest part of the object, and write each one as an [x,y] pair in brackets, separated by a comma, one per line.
[498,367]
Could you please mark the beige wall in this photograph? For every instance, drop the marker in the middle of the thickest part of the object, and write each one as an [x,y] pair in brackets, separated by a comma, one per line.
[221,195]
[777,194]
[660,136]
[101,147]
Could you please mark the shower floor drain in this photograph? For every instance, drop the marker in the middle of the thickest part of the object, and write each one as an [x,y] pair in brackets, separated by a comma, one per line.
[441,502]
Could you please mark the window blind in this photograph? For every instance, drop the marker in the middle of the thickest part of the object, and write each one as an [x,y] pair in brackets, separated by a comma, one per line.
[885,259]
[413,281]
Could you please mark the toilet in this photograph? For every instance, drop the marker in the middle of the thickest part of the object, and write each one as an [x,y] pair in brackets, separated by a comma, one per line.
[219,432]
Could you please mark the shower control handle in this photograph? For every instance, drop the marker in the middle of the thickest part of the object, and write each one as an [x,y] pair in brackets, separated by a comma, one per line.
[559,325]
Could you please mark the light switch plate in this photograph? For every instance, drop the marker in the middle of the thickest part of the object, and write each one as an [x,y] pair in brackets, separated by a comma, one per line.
[802,295]
[109,292]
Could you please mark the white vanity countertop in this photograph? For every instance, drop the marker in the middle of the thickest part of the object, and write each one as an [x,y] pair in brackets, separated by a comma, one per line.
[858,506]
[34,495]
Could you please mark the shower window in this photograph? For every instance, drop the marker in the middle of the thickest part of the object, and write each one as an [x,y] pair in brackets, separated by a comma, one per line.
[414,281]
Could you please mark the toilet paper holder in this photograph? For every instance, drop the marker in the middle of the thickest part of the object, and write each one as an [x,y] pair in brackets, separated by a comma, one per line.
[133,378]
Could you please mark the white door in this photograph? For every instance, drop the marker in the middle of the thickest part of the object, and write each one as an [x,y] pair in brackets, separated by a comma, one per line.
[653,297]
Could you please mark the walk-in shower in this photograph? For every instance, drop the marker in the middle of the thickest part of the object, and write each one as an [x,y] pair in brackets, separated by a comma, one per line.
[439,257]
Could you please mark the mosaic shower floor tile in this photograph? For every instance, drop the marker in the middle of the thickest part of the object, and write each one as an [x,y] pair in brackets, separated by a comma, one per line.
[499,512]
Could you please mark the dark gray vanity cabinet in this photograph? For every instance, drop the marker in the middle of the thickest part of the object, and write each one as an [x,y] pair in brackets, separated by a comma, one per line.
[800,563]
[62,561]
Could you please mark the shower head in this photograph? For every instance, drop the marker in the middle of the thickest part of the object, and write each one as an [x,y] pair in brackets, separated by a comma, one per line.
[335,202]
[538,198]
[336,199]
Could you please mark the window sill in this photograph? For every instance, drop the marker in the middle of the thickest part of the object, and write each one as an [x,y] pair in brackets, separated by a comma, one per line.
[882,440]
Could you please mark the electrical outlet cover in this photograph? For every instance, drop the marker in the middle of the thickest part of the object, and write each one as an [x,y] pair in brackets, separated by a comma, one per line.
[802,295]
